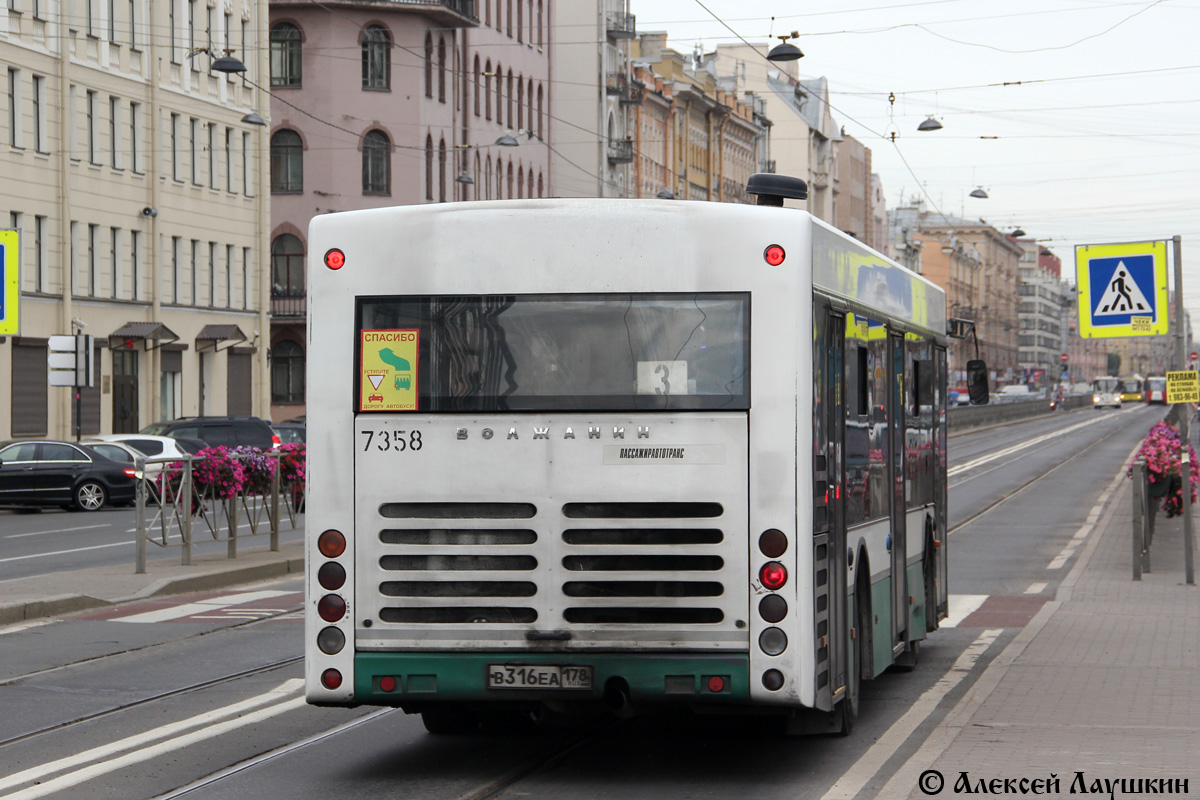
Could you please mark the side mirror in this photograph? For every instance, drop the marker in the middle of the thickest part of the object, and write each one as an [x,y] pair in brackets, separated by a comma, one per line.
[977,382]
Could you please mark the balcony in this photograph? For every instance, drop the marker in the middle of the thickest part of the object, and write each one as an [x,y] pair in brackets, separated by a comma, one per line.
[622,26]
[620,152]
[452,13]
[288,305]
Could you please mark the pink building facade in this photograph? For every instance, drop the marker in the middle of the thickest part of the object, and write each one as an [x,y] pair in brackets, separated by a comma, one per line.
[378,104]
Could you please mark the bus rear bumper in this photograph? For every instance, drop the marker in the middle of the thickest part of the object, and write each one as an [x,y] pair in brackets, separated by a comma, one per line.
[419,679]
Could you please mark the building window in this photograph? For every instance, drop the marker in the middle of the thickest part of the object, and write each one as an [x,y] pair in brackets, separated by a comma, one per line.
[376,165]
[287,373]
[477,79]
[194,132]
[212,274]
[428,167]
[14,107]
[246,163]
[441,70]
[487,90]
[229,160]
[442,171]
[39,113]
[134,277]
[195,276]
[287,162]
[114,131]
[429,65]
[229,276]
[287,266]
[212,155]
[39,253]
[176,244]
[91,127]
[114,261]
[135,121]
[175,171]
[245,277]
[285,55]
[376,58]
[91,259]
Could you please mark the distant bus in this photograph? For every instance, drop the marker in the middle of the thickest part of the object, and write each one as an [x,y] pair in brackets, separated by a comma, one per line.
[573,454]
[1156,389]
[1132,389]
[1106,392]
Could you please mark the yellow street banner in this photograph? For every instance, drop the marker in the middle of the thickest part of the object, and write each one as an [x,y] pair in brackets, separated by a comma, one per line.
[10,283]
[388,361]
[1183,387]
[1122,289]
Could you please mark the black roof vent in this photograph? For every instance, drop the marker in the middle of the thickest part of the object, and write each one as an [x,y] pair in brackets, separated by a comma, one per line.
[772,189]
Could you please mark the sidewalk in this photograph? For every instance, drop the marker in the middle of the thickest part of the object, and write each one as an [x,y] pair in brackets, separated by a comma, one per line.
[67,592]
[1104,681]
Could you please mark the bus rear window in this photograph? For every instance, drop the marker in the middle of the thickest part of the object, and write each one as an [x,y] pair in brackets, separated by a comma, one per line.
[562,352]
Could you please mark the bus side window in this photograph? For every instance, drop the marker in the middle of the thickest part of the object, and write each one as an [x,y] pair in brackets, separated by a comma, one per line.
[861,399]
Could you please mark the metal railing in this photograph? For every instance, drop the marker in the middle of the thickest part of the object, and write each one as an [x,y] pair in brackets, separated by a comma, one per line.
[172,507]
[1145,508]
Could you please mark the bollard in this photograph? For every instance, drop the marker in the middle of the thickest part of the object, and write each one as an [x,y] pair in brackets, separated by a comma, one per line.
[275,505]
[1138,491]
[185,495]
[139,466]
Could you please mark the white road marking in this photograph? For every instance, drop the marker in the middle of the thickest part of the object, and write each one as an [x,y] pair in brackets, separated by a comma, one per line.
[138,743]
[962,606]
[1036,588]
[65,552]
[855,778]
[60,530]
[199,607]
[1016,448]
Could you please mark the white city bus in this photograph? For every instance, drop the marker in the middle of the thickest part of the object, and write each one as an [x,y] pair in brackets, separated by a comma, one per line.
[573,453]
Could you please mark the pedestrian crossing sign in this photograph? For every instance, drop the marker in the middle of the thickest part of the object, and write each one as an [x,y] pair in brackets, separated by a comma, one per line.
[1122,289]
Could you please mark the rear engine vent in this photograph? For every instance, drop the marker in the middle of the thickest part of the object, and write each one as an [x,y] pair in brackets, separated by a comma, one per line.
[451,562]
[458,510]
[635,563]
[642,589]
[466,536]
[638,536]
[458,615]
[642,510]
[458,589]
[644,616]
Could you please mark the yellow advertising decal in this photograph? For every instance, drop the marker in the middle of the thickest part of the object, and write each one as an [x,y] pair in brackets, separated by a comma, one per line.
[388,364]
[1183,387]
[10,283]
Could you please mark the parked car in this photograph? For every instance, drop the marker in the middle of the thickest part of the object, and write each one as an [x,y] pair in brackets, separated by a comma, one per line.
[52,473]
[289,432]
[219,431]
[155,446]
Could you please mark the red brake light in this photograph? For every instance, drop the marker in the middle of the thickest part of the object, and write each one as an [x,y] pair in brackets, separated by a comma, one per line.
[331,679]
[130,471]
[335,259]
[774,255]
[716,683]
[773,575]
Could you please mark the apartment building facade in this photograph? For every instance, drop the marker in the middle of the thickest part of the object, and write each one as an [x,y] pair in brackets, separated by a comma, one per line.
[135,173]
[380,104]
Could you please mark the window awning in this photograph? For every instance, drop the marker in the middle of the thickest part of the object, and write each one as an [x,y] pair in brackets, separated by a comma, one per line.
[211,336]
[126,336]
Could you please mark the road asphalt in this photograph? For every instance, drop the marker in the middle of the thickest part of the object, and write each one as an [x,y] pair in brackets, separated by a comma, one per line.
[1102,685]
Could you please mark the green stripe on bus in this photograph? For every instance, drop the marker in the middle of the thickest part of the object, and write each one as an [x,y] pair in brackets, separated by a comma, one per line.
[462,676]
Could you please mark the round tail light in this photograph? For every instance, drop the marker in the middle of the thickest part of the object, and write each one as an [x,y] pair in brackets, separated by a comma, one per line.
[331,543]
[772,680]
[773,575]
[331,641]
[331,679]
[331,576]
[331,608]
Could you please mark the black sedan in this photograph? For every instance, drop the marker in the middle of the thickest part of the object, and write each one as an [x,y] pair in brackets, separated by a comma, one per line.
[48,473]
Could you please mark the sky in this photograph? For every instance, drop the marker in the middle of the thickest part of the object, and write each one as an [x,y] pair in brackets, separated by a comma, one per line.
[1079,118]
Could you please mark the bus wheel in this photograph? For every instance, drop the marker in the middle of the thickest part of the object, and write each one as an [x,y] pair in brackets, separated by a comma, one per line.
[450,719]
